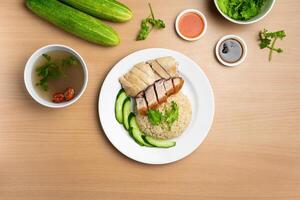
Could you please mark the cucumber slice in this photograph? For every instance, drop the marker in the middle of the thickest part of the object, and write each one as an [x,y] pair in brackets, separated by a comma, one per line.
[160,143]
[138,137]
[120,99]
[126,112]
[132,121]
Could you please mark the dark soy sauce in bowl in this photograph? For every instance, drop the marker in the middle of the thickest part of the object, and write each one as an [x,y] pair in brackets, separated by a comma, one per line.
[231,50]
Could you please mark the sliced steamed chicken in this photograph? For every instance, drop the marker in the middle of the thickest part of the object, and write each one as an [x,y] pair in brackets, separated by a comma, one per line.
[130,89]
[169,64]
[158,69]
[151,83]
[137,70]
[146,68]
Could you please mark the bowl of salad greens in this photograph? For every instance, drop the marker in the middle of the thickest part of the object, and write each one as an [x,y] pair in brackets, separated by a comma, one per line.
[244,11]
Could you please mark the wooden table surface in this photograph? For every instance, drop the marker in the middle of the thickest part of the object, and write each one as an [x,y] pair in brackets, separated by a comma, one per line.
[252,151]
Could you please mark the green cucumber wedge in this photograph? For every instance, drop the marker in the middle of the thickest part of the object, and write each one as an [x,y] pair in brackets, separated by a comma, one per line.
[132,121]
[120,99]
[138,137]
[126,112]
[159,143]
[103,9]
[74,21]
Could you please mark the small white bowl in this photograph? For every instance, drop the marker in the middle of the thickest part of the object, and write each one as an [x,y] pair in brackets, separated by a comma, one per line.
[264,12]
[244,46]
[190,11]
[30,66]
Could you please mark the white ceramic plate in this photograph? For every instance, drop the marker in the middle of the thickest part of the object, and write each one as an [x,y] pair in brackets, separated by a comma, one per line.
[196,87]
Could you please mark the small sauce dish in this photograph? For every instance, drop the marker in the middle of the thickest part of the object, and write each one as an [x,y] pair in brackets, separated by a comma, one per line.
[231,50]
[32,66]
[191,24]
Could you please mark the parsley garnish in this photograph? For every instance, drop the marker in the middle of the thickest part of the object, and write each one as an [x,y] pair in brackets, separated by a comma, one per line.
[148,24]
[167,118]
[51,70]
[155,116]
[268,40]
[171,115]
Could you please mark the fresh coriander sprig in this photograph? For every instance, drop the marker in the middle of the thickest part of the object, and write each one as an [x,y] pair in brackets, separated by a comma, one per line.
[167,118]
[148,24]
[268,40]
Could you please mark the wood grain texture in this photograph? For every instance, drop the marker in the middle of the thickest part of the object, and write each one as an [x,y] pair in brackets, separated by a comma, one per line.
[252,151]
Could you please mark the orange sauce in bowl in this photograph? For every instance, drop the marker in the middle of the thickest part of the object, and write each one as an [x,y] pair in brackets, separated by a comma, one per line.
[191,25]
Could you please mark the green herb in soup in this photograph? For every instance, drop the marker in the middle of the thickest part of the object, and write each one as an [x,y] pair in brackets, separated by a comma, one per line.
[268,39]
[241,9]
[57,76]
[53,70]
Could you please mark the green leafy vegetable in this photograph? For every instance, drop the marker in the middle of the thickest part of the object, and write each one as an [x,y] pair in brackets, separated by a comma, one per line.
[171,115]
[51,70]
[241,9]
[268,39]
[148,24]
[168,118]
[155,116]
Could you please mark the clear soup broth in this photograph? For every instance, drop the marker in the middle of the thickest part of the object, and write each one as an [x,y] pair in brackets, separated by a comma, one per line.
[71,75]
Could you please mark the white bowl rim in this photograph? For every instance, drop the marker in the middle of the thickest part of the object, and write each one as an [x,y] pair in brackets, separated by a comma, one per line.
[28,72]
[244,46]
[244,22]
[188,11]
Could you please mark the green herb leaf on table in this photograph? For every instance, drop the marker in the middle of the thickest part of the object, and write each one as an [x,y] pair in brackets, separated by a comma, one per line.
[148,24]
[268,39]
[51,70]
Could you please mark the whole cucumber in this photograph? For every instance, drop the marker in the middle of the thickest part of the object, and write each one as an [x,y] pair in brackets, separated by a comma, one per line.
[104,9]
[74,21]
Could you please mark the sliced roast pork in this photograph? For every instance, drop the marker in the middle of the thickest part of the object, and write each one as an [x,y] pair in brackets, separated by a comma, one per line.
[177,83]
[169,87]
[169,64]
[157,93]
[160,91]
[141,105]
[151,97]
[158,69]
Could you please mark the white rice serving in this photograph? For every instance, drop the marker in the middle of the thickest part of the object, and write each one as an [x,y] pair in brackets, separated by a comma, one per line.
[177,128]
